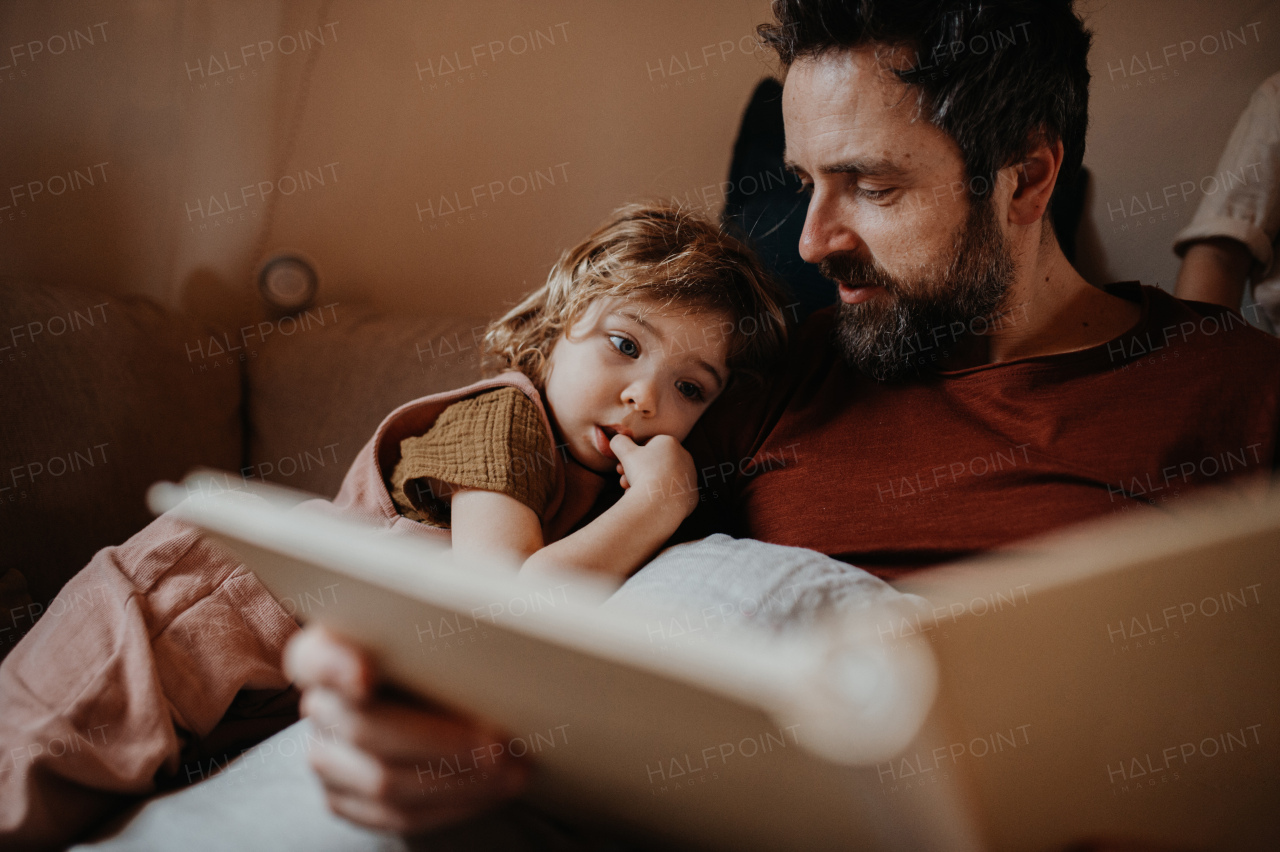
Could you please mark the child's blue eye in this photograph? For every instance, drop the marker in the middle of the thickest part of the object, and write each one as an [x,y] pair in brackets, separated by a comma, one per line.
[689,390]
[625,345]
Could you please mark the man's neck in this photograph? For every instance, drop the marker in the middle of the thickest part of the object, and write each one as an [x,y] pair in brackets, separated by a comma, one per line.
[1050,310]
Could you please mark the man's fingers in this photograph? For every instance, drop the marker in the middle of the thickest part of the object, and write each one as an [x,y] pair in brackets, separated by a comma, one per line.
[347,770]
[623,481]
[315,657]
[374,815]
[380,816]
[398,732]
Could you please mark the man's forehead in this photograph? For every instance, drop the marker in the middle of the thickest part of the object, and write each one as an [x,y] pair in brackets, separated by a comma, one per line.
[847,108]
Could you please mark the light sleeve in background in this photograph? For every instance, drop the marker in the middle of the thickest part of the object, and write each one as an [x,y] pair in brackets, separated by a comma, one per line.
[1245,205]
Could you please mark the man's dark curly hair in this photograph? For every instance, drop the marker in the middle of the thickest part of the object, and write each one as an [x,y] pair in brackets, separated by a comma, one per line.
[997,76]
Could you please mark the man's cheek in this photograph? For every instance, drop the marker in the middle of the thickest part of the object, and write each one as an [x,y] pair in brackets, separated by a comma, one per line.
[920,238]
[904,251]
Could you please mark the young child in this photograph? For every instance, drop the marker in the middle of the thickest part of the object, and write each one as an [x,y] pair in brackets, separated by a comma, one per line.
[602,372]
[605,369]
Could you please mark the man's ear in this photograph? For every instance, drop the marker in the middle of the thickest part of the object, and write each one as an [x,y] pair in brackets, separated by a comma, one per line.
[1034,179]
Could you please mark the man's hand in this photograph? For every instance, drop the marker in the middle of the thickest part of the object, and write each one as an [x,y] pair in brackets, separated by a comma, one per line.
[378,765]
[661,470]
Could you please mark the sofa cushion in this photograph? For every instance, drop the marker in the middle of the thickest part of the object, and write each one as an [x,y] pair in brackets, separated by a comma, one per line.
[103,396]
[321,382]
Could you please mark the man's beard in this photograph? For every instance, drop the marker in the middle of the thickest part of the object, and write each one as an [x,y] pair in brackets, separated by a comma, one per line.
[914,322]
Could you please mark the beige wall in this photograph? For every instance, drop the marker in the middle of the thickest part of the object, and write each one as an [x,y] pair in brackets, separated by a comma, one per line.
[1163,127]
[565,110]
[590,100]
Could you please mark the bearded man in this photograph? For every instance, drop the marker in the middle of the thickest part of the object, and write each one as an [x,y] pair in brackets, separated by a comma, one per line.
[971,388]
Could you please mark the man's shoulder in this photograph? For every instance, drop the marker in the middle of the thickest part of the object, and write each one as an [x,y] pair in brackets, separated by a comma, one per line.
[817,328]
[1208,329]
[811,350]
[1208,358]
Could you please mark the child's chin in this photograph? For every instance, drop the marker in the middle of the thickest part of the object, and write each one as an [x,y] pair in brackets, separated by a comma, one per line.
[604,469]
[594,464]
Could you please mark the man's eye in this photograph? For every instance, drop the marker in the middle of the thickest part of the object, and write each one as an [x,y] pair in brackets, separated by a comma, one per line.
[625,345]
[874,194]
[805,189]
[689,391]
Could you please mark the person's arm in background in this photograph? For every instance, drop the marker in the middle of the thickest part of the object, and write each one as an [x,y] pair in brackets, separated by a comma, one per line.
[1214,270]
[1232,232]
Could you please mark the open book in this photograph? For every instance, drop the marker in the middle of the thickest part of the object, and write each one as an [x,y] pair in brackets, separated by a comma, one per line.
[1118,680]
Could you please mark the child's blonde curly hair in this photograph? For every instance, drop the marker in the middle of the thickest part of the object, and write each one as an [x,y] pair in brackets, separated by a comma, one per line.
[660,253]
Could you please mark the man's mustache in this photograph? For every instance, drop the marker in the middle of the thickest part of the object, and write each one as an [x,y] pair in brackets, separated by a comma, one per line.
[856,272]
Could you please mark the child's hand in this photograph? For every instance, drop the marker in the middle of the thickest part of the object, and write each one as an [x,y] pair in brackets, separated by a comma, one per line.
[662,470]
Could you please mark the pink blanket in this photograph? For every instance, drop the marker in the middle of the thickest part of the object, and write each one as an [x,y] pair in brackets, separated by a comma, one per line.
[163,648]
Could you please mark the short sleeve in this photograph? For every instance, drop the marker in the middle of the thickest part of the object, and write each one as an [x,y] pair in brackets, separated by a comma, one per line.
[495,441]
[1242,198]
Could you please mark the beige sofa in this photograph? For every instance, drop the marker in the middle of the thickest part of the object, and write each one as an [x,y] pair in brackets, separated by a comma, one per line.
[105,395]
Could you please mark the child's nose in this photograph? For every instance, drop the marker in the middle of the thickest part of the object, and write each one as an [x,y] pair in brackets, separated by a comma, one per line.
[642,396]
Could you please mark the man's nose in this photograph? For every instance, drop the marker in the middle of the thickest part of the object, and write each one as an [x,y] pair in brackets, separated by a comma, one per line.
[827,229]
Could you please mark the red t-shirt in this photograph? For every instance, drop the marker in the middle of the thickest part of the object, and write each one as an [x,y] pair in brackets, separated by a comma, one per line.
[893,477]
